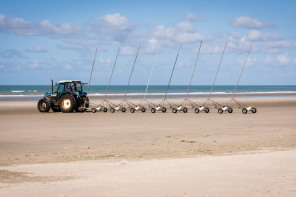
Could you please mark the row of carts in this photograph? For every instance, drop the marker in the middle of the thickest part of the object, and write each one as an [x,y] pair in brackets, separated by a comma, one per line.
[124,105]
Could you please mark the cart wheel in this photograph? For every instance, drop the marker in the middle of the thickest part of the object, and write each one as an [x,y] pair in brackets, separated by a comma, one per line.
[153,110]
[244,110]
[112,110]
[105,109]
[254,110]
[163,109]
[196,110]
[207,110]
[132,110]
[93,110]
[185,110]
[174,110]
[230,110]
[123,109]
[143,109]
[220,111]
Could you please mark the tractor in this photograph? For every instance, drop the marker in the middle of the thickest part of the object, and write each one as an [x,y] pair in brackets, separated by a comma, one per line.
[68,97]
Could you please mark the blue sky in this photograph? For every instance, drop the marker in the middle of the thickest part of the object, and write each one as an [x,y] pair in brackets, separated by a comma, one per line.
[41,40]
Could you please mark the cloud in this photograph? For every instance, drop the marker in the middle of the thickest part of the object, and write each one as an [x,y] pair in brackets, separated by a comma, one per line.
[77,45]
[249,23]
[114,25]
[183,32]
[37,49]
[191,17]
[12,54]
[68,67]
[256,35]
[20,26]
[104,60]
[280,60]
[60,29]
[184,27]
[34,64]
[283,59]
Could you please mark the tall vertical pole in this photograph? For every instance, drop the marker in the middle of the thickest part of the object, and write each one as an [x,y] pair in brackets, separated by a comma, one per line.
[242,70]
[172,73]
[151,72]
[218,69]
[111,74]
[131,74]
[193,70]
[92,68]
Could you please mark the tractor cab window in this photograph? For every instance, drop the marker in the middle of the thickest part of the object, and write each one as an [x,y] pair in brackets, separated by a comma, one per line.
[79,87]
[61,87]
[67,87]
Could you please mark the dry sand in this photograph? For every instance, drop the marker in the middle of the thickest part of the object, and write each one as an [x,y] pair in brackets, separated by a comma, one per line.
[145,154]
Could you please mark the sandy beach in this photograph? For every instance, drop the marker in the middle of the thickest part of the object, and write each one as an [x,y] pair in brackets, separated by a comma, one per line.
[145,154]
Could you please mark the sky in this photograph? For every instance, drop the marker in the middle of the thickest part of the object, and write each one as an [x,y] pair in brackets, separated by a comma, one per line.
[43,40]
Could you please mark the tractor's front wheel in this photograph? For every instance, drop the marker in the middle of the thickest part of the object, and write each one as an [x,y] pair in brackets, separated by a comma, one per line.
[43,105]
[67,103]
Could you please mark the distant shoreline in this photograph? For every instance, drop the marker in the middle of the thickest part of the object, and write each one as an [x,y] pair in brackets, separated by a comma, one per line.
[155,96]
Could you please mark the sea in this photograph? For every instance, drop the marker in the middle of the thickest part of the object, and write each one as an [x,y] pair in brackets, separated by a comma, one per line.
[14,91]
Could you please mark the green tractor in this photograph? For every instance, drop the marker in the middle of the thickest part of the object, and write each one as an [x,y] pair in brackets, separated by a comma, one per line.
[68,97]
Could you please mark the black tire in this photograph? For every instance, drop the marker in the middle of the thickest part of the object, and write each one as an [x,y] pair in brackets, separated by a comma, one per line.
[207,110]
[174,110]
[86,100]
[153,110]
[196,110]
[67,103]
[220,111]
[105,109]
[254,110]
[143,109]
[244,110]
[163,110]
[112,110]
[123,110]
[132,110]
[185,110]
[43,105]
[56,109]
[230,110]
[94,110]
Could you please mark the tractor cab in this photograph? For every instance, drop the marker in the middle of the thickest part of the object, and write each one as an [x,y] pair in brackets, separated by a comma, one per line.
[70,86]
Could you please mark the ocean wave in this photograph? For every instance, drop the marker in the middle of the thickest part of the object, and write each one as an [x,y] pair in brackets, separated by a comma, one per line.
[17,91]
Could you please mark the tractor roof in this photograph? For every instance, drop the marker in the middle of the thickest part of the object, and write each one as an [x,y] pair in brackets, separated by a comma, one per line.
[69,81]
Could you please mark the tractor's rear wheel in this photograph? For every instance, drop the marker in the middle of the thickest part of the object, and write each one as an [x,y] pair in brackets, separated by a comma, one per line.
[163,110]
[43,105]
[67,103]
[207,110]
[143,109]
[153,110]
[185,110]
